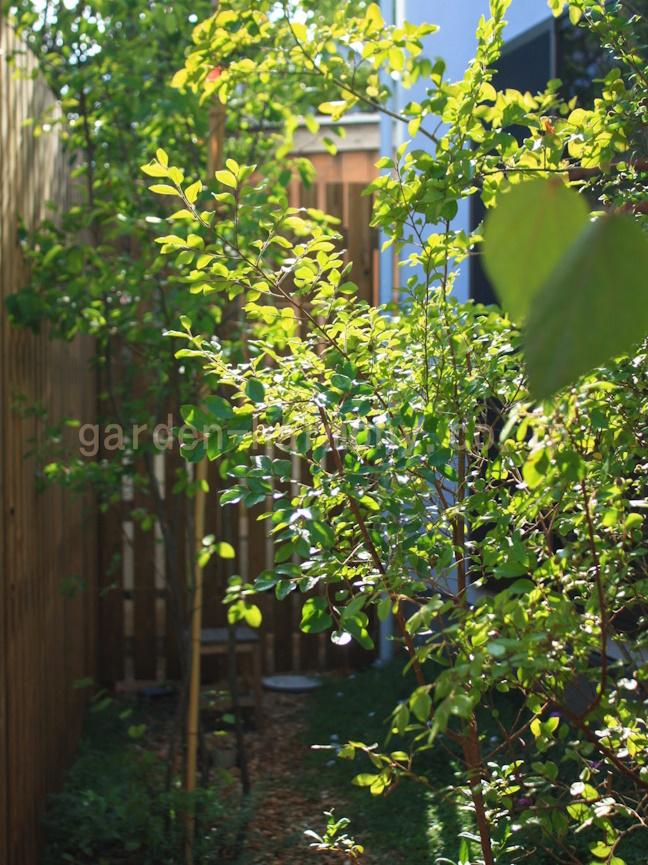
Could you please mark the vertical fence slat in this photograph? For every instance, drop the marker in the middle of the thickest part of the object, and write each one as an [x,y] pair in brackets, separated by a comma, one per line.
[43,635]
[361,242]
[111,598]
[144,595]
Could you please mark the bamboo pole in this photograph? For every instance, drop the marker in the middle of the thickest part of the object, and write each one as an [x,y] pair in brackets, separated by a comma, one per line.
[196,627]
[214,160]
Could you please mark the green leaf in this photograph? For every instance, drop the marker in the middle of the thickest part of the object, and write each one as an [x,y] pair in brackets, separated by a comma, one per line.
[274,413]
[600,850]
[584,791]
[302,442]
[194,416]
[321,534]
[525,237]
[219,407]
[341,382]
[551,725]
[226,178]
[254,390]
[461,706]
[633,521]
[195,451]
[284,588]
[535,469]
[413,126]
[593,306]
[355,626]
[556,6]
[180,78]
[373,17]
[192,192]
[421,704]
[182,214]
[497,650]
[233,496]
[225,550]
[265,581]
[252,615]
[575,14]
[578,812]
[315,617]
[396,58]
[299,31]
[384,609]
[236,611]
[155,170]
[365,779]
[51,254]
[164,189]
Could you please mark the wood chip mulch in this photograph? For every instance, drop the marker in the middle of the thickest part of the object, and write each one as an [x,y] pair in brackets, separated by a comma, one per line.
[285,804]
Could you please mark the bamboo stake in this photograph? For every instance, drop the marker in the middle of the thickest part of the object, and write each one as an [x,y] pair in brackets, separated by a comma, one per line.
[196,627]
[214,160]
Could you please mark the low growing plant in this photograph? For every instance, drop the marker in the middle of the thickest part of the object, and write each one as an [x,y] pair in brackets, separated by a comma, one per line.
[115,805]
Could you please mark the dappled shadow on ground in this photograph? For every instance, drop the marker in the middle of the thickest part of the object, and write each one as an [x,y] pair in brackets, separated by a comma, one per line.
[410,824]
[285,803]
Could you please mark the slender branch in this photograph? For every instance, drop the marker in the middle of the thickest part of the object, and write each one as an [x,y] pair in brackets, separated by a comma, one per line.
[603,616]
[374,553]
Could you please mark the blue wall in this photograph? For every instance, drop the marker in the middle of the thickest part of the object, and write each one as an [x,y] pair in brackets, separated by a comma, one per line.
[456,43]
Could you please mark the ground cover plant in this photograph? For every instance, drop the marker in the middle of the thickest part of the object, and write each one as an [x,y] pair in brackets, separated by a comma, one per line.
[431,471]
[115,805]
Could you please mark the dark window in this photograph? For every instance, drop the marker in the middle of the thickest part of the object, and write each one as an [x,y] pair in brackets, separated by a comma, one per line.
[553,49]
[526,64]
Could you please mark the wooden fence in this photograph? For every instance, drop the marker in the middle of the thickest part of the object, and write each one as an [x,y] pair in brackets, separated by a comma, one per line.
[47,641]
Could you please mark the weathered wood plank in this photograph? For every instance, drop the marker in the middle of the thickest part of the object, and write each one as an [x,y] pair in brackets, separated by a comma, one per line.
[361,242]
[144,594]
